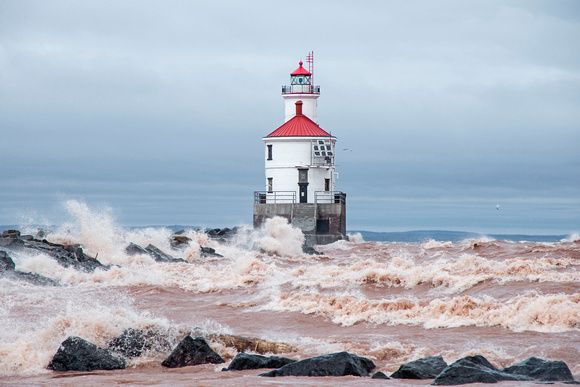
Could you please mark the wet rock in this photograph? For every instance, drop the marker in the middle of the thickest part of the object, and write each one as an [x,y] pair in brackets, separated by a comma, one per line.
[152,251]
[130,344]
[424,368]
[254,344]
[161,256]
[133,343]
[222,234]
[76,354]
[245,361]
[134,249]
[6,263]
[310,250]
[32,278]
[208,252]
[379,375]
[178,241]
[11,233]
[7,269]
[66,256]
[473,369]
[334,364]
[192,352]
[541,370]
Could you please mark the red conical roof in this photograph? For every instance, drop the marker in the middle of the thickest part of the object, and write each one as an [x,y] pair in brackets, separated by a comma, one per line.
[299,126]
[301,71]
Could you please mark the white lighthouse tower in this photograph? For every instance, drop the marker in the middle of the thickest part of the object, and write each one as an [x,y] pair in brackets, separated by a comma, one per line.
[300,167]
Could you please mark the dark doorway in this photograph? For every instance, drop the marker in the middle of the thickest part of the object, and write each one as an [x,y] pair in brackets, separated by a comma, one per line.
[303,183]
[303,192]
[322,226]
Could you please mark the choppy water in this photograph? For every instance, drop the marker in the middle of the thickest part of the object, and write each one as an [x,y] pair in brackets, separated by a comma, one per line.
[392,302]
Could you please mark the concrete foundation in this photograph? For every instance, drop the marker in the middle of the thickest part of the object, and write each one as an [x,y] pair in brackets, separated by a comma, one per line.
[321,223]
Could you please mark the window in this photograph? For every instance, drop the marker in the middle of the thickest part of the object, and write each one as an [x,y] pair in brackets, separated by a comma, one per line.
[327,185]
[303,175]
[269,152]
[270,184]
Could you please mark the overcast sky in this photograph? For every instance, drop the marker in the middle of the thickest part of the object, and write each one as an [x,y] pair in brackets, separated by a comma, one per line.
[156,110]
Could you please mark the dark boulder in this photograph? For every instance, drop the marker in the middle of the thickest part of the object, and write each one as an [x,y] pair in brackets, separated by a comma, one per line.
[65,255]
[31,278]
[161,256]
[152,251]
[334,364]
[131,343]
[208,252]
[76,354]
[192,352]
[245,361]
[473,369]
[11,233]
[424,368]
[134,343]
[310,250]
[379,375]
[6,263]
[134,249]
[7,269]
[541,370]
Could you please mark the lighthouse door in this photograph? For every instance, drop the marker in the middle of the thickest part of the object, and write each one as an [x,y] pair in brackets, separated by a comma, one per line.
[303,193]
[303,183]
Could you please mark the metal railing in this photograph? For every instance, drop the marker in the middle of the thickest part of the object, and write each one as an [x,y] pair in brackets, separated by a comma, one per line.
[305,89]
[326,197]
[265,197]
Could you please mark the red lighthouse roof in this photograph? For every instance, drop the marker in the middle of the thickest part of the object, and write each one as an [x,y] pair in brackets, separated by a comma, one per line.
[299,126]
[300,70]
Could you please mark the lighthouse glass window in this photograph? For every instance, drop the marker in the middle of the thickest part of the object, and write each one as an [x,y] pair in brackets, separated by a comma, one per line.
[322,152]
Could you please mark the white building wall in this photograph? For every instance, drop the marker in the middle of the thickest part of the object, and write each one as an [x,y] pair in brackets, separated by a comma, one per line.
[289,154]
[309,105]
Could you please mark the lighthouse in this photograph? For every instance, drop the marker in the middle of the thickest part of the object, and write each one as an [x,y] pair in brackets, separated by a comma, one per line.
[300,167]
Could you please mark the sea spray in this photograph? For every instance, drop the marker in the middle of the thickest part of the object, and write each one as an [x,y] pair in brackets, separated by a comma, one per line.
[281,238]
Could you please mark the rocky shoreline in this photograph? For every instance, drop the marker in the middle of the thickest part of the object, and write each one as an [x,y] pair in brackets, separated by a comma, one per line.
[73,255]
[77,354]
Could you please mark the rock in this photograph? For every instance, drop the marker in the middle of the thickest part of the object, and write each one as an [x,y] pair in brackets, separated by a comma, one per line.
[213,232]
[209,252]
[11,233]
[310,250]
[32,278]
[245,361]
[541,370]
[134,249]
[243,344]
[7,269]
[334,364]
[379,375]
[76,354]
[133,343]
[473,369]
[191,352]
[178,240]
[6,263]
[424,368]
[65,255]
[152,251]
[160,256]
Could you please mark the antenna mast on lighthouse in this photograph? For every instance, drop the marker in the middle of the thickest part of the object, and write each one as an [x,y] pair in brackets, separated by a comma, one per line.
[310,61]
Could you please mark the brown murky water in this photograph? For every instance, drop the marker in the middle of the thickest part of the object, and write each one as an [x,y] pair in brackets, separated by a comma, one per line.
[391,302]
